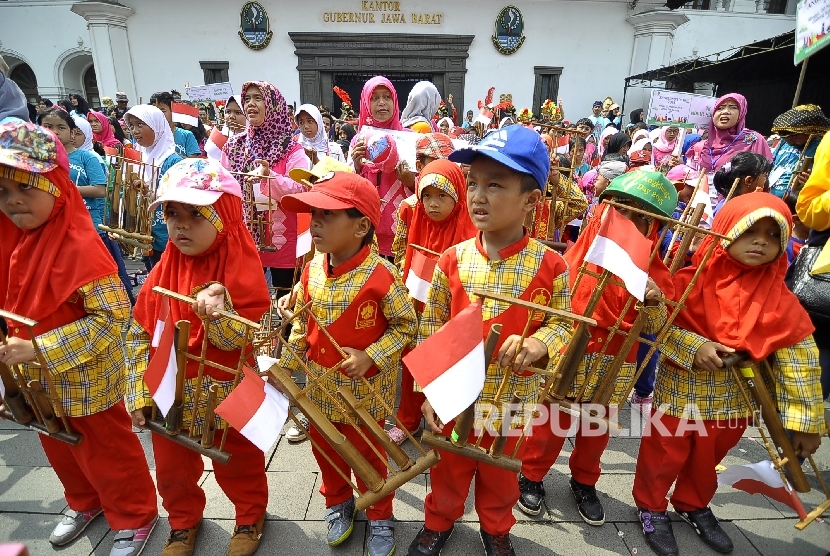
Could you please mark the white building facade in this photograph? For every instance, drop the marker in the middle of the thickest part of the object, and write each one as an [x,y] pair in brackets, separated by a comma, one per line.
[575,50]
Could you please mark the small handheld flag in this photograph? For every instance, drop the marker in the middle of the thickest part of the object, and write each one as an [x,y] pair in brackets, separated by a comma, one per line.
[419,277]
[185,114]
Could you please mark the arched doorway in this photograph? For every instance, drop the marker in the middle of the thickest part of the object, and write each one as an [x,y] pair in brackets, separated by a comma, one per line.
[91,87]
[25,78]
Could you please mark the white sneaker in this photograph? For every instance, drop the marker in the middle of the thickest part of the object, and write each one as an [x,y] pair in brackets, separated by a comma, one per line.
[130,542]
[643,405]
[296,434]
[72,525]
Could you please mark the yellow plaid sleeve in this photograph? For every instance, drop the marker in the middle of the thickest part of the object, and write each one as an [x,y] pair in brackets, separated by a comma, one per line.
[681,346]
[136,395]
[555,332]
[570,202]
[295,351]
[224,333]
[402,230]
[437,308]
[403,324]
[798,387]
[813,205]
[656,316]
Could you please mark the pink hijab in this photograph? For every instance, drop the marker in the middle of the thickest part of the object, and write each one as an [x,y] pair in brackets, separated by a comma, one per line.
[662,147]
[608,132]
[723,144]
[365,117]
[106,137]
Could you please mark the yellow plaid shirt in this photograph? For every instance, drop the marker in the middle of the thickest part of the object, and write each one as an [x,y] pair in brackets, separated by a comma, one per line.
[509,276]
[331,296]
[402,230]
[570,203]
[88,374]
[222,333]
[689,391]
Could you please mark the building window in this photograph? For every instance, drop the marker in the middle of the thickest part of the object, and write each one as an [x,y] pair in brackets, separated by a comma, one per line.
[546,86]
[91,87]
[775,6]
[25,78]
[215,72]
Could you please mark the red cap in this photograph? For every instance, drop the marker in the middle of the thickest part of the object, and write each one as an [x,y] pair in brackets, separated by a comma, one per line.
[338,191]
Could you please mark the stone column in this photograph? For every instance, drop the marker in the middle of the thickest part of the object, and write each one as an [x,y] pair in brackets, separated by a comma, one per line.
[107,24]
[653,38]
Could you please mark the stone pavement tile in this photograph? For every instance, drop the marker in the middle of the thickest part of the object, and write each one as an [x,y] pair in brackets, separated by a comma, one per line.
[620,456]
[613,490]
[34,529]
[409,500]
[688,542]
[746,451]
[288,496]
[734,505]
[569,539]
[293,457]
[21,448]
[31,490]
[11,425]
[780,537]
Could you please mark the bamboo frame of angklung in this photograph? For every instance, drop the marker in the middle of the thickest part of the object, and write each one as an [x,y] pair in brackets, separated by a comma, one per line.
[356,415]
[25,401]
[173,424]
[128,216]
[457,442]
[569,362]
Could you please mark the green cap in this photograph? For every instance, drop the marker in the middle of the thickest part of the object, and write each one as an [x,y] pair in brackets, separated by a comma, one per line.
[651,189]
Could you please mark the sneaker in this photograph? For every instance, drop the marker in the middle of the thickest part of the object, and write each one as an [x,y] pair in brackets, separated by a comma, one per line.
[181,542]
[381,538]
[130,542]
[429,542]
[708,529]
[588,504]
[72,525]
[496,545]
[658,532]
[341,522]
[532,494]
[245,539]
[295,433]
[643,405]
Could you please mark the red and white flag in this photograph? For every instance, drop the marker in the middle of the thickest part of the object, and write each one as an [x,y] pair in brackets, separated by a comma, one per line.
[419,277]
[214,144]
[762,478]
[621,249]
[160,376]
[256,409]
[449,366]
[185,114]
[485,116]
[303,233]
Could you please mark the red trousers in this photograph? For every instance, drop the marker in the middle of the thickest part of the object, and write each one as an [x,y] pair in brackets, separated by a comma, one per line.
[545,442]
[409,411]
[179,470]
[334,488]
[688,455]
[106,469]
[496,490]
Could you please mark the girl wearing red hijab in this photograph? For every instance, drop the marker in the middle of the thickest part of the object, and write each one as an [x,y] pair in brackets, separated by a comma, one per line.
[81,310]
[438,220]
[738,304]
[214,259]
[102,131]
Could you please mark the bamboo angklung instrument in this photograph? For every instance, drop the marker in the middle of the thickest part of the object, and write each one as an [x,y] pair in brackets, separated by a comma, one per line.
[129,218]
[26,402]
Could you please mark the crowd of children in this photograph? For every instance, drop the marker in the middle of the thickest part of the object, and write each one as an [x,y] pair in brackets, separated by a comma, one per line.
[494,208]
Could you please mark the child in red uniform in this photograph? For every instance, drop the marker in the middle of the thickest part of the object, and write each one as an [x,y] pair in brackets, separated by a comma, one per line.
[360,299]
[508,173]
[438,221]
[738,304]
[213,258]
[81,310]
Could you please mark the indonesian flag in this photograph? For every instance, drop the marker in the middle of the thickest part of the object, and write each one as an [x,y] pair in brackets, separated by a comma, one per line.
[185,114]
[449,366]
[762,478]
[419,277]
[621,249]
[303,233]
[214,144]
[256,409]
[702,197]
[160,376]
[132,154]
[485,116]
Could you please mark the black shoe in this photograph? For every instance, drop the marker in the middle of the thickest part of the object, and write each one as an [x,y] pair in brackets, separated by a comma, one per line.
[532,495]
[658,532]
[429,542]
[707,528]
[589,506]
[496,545]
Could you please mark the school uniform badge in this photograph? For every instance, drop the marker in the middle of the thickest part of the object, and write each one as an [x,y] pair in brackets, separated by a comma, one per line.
[509,35]
[254,25]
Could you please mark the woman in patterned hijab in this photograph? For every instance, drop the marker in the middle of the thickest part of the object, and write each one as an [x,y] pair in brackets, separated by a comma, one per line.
[801,130]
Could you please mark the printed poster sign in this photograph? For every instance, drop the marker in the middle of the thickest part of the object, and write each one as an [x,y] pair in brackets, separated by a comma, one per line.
[812,28]
[680,109]
[214,91]
[405,142]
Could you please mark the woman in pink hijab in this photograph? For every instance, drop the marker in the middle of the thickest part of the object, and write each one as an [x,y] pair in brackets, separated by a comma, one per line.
[729,136]
[102,129]
[663,147]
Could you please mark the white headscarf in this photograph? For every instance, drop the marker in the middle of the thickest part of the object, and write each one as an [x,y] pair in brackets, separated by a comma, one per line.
[319,142]
[421,104]
[86,129]
[163,146]
[449,123]
[639,145]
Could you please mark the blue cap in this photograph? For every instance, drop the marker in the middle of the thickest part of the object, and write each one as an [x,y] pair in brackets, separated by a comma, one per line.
[517,147]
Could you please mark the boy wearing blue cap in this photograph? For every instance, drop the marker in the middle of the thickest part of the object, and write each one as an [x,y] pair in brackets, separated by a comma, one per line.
[508,172]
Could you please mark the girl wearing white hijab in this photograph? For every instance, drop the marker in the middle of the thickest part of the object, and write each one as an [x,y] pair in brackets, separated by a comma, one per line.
[313,135]
[421,105]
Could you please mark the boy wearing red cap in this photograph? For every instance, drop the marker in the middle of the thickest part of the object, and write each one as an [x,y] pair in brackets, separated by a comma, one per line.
[508,173]
[360,299]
